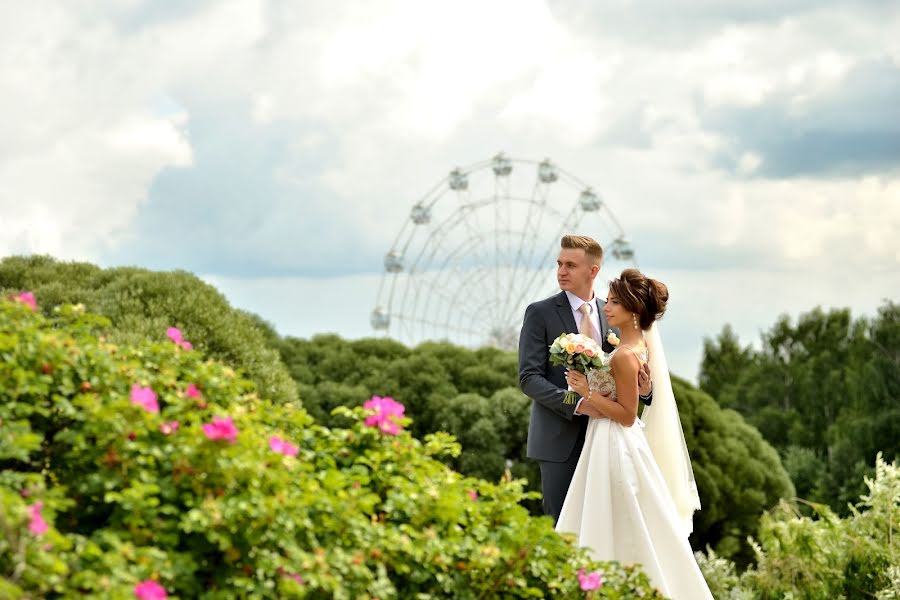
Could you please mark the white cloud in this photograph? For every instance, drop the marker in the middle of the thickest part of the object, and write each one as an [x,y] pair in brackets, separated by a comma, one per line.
[81,192]
[368,105]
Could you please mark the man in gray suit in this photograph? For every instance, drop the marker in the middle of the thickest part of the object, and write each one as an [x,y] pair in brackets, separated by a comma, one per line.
[556,430]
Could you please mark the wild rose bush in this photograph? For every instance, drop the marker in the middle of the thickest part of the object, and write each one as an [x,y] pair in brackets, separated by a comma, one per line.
[142,304]
[147,470]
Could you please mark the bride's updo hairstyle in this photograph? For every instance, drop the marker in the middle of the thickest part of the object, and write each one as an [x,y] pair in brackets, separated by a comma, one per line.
[641,295]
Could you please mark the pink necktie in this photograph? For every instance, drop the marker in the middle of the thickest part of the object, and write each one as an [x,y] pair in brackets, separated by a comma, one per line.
[586,327]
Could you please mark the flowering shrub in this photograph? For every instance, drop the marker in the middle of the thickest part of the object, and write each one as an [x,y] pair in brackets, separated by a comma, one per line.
[143,304]
[213,492]
[386,415]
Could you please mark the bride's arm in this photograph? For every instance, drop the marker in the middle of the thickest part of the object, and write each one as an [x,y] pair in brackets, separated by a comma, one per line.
[623,410]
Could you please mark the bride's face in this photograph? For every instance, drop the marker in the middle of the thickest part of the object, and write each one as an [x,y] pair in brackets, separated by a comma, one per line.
[616,315]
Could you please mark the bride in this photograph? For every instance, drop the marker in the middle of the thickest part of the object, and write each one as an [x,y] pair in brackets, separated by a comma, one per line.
[633,494]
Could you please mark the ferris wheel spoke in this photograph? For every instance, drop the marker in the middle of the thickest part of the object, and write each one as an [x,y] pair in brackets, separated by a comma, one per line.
[452,256]
[538,198]
[449,303]
[486,314]
[462,274]
[537,227]
[432,323]
[568,223]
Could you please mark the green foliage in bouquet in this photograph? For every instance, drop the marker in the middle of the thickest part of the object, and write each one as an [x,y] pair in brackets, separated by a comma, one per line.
[141,304]
[580,353]
[144,463]
[575,351]
[824,556]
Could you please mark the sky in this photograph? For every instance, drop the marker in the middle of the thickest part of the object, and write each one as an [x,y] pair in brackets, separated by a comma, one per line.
[750,150]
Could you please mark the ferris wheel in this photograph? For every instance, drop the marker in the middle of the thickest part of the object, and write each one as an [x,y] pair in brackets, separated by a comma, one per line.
[481,245]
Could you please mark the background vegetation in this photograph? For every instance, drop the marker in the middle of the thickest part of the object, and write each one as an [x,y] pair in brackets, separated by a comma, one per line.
[100,490]
[803,415]
[822,390]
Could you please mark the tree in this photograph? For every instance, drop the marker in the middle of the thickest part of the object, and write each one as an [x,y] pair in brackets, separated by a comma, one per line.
[723,361]
[739,475]
[827,384]
[142,304]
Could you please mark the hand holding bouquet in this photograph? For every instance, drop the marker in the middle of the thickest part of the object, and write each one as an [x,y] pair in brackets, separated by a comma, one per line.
[578,352]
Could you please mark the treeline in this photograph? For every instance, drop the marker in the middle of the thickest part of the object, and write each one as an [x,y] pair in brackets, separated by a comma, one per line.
[823,390]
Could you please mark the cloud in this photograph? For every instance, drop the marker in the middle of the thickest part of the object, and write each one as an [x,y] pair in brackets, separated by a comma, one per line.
[849,129]
[269,142]
[677,23]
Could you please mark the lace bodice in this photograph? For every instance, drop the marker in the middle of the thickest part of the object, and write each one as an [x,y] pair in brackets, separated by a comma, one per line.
[601,380]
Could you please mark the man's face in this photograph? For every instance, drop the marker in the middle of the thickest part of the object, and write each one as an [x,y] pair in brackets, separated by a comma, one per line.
[574,270]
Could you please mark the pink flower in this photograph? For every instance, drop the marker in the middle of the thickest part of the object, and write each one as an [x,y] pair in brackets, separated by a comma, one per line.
[38,525]
[579,348]
[192,391]
[27,298]
[175,335]
[169,428]
[589,352]
[386,411]
[282,446]
[285,573]
[472,494]
[144,397]
[150,590]
[221,428]
[590,581]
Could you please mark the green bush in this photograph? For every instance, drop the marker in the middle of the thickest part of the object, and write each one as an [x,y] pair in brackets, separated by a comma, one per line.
[473,395]
[823,556]
[739,475]
[142,304]
[355,514]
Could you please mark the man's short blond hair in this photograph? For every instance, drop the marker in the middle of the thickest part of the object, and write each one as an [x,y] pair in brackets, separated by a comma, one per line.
[591,247]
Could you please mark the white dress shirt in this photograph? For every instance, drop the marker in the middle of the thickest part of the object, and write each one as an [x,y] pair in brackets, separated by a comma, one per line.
[575,302]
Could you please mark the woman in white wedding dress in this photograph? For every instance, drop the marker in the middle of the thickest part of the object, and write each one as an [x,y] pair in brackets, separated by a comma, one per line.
[621,504]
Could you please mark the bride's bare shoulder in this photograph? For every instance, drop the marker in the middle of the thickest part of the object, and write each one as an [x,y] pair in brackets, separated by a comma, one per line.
[625,360]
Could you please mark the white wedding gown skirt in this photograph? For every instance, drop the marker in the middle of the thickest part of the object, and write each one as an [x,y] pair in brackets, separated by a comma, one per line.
[619,507]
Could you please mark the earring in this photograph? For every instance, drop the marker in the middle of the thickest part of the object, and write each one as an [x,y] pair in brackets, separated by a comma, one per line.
[634,320]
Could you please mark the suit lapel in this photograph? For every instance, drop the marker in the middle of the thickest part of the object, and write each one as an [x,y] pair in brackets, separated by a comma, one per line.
[604,326]
[564,310]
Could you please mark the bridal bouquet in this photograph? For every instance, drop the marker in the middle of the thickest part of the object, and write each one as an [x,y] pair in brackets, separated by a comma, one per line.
[579,352]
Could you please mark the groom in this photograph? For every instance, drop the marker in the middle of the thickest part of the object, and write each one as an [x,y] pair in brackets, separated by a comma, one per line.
[556,430]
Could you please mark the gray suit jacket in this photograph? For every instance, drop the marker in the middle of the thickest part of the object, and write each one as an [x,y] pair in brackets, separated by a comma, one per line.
[553,428]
